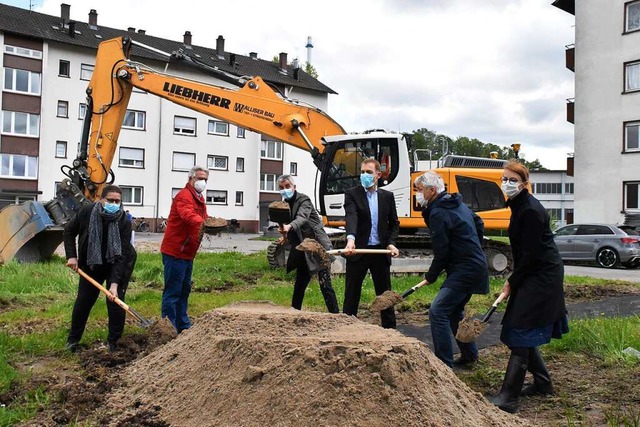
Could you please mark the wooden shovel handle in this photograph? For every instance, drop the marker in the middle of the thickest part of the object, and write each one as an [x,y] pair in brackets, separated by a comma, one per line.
[104,290]
[360,251]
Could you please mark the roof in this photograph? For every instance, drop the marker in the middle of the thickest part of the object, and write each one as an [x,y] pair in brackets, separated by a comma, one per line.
[30,24]
[568,6]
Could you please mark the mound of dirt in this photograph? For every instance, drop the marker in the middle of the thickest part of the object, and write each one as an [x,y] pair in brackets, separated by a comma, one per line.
[256,364]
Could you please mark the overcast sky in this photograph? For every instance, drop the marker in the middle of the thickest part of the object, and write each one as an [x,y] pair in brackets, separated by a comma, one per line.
[491,69]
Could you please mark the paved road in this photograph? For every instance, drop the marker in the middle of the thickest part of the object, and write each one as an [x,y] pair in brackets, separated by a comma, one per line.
[247,243]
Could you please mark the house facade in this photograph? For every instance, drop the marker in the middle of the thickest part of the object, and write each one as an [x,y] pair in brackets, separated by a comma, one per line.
[47,62]
[606,110]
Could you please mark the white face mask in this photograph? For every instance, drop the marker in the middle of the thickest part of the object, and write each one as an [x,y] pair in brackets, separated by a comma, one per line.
[420,199]
[511,190]
[200,185]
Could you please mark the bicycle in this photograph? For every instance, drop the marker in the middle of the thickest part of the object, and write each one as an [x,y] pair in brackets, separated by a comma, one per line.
[141,225]
[162,225]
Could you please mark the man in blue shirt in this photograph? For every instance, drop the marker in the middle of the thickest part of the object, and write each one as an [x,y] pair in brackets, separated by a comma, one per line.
[371,223]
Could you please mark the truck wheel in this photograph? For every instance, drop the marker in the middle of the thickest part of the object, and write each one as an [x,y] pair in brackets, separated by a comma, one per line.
[277,255]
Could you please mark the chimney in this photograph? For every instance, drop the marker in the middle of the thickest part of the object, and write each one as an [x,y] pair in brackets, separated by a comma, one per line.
[283,62]
[253,55]
[131,29]
[309,47]
[65,13]
[232,59]
[72,28]
[93,19]
[142,32]
[220,47]
[186,39]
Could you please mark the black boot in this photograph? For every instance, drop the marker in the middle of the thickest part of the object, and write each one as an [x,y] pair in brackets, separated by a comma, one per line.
[324,279]
[507,399]
[541,377]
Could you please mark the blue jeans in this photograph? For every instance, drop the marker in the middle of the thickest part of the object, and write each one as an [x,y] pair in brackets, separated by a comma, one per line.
[446,311]
[177,287]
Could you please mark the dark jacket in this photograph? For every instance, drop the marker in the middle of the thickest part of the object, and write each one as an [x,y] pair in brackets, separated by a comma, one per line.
[305,223]
[456,236]
[537,293]
[79,226]
[358,218]
[182,236]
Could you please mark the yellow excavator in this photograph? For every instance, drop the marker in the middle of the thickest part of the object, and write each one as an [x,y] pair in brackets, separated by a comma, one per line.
[33,230]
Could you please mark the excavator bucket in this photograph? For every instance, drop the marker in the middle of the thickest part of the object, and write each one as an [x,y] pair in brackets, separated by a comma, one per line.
[27,233]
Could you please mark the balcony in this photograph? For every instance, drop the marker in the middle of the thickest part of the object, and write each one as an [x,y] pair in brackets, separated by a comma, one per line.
[570,109]
[570,57]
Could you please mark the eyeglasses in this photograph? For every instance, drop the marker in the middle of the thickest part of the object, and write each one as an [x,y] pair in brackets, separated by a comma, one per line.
[113,200]
[511,180]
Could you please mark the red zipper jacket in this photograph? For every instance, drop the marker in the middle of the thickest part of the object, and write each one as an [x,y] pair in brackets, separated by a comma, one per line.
[182,236]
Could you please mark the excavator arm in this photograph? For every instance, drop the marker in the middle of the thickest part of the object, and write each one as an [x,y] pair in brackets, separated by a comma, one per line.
[33,230]
[254,106]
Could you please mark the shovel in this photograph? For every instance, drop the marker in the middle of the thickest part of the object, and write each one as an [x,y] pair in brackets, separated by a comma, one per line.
[470,329]
[143,322]
[390,298]
[313,247]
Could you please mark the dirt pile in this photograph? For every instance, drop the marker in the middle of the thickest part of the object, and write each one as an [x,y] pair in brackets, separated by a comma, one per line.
[256,364]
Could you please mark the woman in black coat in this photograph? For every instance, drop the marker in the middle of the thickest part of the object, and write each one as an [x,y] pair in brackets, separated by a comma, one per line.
[536,311]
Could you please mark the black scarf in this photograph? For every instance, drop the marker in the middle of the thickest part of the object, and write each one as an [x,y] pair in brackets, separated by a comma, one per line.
[114,244]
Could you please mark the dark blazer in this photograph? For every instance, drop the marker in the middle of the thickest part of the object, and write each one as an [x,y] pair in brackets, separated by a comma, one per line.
[537,293]
[119,271]
[358,218]
[305,223]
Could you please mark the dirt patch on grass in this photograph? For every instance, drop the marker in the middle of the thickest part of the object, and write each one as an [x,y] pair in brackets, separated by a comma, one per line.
[580,292]
[259,364]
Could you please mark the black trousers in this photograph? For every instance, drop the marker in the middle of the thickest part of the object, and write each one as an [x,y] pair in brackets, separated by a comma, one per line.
[86,298]
[303,277]
[357,270]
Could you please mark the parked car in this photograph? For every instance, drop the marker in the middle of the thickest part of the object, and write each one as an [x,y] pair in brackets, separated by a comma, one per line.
[606,244]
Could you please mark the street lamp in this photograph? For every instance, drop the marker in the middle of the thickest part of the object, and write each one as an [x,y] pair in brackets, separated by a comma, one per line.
[516,148]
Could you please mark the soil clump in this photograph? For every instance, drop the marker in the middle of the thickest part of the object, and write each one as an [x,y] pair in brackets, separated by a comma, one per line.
[386,300]
[257,364]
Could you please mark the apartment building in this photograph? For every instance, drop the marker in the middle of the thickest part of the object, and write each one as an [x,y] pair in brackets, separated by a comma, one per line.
[554,189]
[47,62]
[606,112]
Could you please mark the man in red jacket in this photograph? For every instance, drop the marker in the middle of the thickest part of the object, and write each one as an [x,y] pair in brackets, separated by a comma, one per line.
[179,247]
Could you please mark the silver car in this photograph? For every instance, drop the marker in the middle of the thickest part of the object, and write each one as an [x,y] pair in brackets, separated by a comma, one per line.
[606,244]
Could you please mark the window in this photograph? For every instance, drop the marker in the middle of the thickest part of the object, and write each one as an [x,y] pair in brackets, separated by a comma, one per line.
[218,128]
[570,230]
[293,168]
[631,195]
[240,132]
[632,13]
[631,136]
[21,81]
[240,164]
[22,51]
[63,109]
[632,76]
[64,68]
[18,166]
[134,120]
[479,195]
[271,150]
[86,71]
[568,188]
[548,188]
[131,195]
[15,123]
[555,214]
[218,162]
[82,111]
[216,197]
[131,157]
[267,182]
[184,125]
[239,198]
[589,229]
[61,149]
[183,161]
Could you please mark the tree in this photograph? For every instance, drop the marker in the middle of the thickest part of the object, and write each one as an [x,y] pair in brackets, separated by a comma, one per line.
[311,70]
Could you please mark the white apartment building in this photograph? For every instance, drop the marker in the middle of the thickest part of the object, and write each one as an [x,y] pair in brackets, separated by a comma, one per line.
[554,189]
[47,63]
[606,111]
